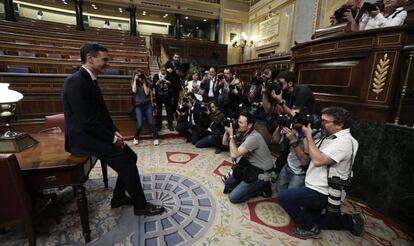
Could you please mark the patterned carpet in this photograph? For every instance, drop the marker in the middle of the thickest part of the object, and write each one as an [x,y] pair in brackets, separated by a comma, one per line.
[187,182]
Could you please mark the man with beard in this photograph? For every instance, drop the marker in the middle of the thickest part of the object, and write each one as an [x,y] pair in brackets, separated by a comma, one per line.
[253,172]
[174,75]
[332,155]
[291,95]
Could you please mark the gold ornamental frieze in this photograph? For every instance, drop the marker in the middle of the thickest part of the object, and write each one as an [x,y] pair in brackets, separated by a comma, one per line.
[380,75]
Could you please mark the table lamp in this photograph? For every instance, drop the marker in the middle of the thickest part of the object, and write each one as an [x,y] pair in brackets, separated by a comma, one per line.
[11,141]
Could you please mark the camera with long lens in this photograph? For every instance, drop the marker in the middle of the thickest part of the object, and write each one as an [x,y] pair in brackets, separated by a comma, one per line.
[185,100]
[232,121]
[141,77]
[255,107]
[220,76]
[368,7]
[333,208]
[274,85]
[306,119]
[258,80]
[284,120]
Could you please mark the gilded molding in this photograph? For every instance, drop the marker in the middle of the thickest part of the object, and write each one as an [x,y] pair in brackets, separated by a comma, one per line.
[380,75]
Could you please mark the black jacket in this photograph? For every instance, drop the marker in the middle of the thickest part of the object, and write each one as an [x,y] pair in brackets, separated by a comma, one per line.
[89,129]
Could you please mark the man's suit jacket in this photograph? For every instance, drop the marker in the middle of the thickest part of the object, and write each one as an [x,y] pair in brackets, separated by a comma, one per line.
[206,85]
[89,129]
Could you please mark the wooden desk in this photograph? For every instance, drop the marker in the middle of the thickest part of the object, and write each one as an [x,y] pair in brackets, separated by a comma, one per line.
[48,165]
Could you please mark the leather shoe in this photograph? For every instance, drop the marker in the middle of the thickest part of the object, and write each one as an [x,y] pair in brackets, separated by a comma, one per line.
[119,201]
[149,209]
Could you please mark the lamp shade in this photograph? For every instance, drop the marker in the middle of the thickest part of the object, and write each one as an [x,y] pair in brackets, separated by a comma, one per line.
[7,95]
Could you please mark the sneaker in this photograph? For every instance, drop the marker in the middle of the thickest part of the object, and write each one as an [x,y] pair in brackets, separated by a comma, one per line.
[135,142]
[156,142]
[305,234]
[359,224]
[218,151]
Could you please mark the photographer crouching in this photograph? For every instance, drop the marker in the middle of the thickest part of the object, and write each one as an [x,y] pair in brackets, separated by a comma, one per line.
[329,173]
[188,127]
[215,130]
[252,174]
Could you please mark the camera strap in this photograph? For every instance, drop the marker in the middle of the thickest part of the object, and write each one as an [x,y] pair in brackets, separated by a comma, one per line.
[350,166]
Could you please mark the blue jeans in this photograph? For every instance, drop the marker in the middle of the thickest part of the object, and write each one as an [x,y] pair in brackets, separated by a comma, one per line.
[242,191]
[141,111]
[287,179]
[305,205]
[211,140]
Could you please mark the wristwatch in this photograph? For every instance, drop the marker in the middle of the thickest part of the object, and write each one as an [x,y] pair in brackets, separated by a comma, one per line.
[232,136]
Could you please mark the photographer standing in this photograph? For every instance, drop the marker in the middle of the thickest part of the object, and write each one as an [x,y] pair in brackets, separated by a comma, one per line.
[143,107]
[329,172]
[252,174]
[174,74]
[208,85]
[163,93]
[291,95]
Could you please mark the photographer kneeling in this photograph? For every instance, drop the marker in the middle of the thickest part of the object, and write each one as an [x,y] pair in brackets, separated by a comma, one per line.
[251,175]
[292,175]
[329,173]
[188,127]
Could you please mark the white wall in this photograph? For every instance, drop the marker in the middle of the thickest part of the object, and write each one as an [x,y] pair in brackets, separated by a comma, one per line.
[147,28]
[1,7]
[30,12]
[99,22]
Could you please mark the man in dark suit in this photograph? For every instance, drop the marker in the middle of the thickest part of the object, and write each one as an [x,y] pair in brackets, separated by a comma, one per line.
[174,74]
[89,130]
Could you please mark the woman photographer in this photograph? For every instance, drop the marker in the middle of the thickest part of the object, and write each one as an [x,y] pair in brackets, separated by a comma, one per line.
[143,107]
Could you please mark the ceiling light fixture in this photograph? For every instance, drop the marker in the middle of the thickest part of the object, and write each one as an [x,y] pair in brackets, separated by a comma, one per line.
[205,20]
[186,17]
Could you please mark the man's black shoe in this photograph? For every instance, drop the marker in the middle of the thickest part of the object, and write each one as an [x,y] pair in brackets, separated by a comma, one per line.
[218,150]
[359,225]
[119,201]
[227,190]
[149,209]
[305,234]
[267,191]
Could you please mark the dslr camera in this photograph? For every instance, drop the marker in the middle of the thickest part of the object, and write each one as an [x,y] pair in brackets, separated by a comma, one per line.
[232,121]
[141,77]
[305,119]
[285,120]
[255,107]
[258,80]
[274,85]
[220,76]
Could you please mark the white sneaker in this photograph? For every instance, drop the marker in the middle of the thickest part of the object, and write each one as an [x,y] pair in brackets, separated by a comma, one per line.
[156,142]
[135,142]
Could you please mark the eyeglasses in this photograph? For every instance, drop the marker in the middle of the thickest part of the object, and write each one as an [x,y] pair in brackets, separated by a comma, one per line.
[327,121]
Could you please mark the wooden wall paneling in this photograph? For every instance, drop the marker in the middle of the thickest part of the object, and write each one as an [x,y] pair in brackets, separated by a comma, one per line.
[362,71]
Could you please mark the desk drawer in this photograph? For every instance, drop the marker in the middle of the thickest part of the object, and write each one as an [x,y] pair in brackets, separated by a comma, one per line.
[49,179]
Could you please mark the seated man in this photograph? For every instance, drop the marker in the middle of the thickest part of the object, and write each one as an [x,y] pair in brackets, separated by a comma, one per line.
[251,176]
[331,160]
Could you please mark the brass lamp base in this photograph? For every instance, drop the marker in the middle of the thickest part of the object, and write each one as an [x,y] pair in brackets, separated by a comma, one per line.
[16,143]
